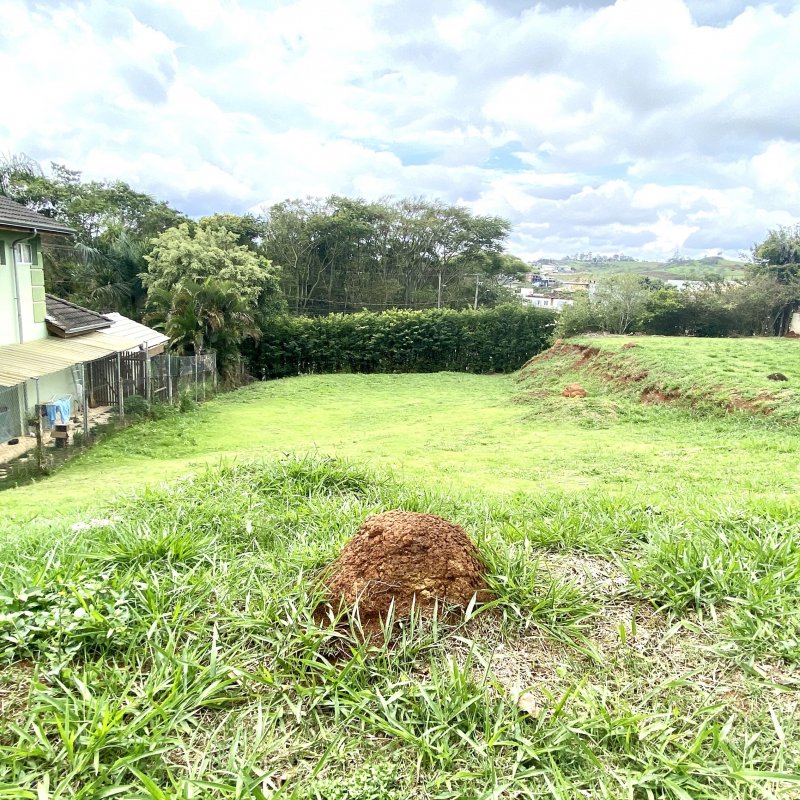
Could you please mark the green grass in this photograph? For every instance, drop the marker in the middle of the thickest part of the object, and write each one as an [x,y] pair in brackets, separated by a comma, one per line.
[696,270]
[157,595]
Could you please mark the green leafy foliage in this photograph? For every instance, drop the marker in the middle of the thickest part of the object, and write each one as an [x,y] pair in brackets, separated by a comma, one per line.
[61,613]
[345,254]
[487,340]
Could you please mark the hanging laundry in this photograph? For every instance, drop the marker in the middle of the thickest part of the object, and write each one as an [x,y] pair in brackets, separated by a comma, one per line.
[64,407]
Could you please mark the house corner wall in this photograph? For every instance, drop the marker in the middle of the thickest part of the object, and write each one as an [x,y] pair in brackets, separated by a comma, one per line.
[30,278]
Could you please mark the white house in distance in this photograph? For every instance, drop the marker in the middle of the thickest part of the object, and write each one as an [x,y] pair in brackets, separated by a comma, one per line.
[540,300]
[46,344]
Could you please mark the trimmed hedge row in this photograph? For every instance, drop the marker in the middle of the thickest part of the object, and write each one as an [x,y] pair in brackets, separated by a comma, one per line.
[497,339]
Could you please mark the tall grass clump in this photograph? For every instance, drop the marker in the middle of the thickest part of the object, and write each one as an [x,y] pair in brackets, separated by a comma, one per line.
[746,569]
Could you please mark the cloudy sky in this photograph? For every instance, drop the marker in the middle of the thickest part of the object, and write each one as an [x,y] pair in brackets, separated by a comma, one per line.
[638,126]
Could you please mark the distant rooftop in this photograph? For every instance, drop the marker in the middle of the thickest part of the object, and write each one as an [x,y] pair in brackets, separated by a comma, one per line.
[15,216]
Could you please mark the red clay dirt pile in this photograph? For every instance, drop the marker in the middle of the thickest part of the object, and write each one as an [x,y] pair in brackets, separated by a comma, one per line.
[574,390]
[400,556]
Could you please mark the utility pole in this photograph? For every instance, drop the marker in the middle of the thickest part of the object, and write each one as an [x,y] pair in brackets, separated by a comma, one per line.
[439,293]
[477,282]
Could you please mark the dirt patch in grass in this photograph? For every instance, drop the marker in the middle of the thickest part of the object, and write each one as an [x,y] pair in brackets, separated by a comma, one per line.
[15,685]
[758,405]
[406,559]
[654,396]
[593,574]
[621,369]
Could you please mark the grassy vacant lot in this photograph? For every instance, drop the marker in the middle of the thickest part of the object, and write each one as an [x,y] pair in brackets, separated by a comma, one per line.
[645,557]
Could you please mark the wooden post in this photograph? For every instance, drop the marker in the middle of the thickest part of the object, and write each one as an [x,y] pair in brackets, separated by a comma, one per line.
[169,377]
[38,428]
[85,404]
[148,380]
[120,398]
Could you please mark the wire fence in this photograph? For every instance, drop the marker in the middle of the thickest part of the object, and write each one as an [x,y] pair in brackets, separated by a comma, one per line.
[62,408]
[12,424]
[172,377]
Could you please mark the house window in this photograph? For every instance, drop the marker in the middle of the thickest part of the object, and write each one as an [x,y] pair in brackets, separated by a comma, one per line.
[23,253]
[2,254]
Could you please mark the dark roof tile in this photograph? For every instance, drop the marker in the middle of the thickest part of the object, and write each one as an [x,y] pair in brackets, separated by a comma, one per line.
[68,319]
[18,217]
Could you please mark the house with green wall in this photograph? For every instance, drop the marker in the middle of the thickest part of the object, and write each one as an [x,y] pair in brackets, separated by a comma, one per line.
[45,343]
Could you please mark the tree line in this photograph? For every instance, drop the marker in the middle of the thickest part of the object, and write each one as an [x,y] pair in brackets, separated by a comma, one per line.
[211,283]
[221,280]
[760,305]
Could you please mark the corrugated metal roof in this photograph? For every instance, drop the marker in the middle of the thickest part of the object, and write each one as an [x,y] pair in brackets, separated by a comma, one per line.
[18,217]
[18,362]
[128,329]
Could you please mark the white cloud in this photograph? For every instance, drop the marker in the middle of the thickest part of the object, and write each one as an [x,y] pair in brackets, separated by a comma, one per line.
[640,125]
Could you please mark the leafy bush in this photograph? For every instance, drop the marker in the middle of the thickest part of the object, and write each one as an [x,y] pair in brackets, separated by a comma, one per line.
[137,406]
[489,340]
[61,617]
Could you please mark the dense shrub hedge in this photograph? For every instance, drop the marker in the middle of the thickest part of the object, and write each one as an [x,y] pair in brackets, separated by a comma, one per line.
[498,339]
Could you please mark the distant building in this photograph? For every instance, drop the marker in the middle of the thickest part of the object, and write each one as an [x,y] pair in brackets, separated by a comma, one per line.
[575,286]
[540,300]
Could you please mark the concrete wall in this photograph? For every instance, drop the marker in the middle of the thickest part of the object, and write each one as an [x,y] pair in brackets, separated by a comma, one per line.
[31,290]
[50,386]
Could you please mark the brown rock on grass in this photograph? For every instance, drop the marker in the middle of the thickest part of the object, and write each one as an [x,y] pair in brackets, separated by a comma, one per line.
[574,390]
[407,558]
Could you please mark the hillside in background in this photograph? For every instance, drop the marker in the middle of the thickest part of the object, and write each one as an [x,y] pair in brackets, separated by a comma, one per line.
[697,269]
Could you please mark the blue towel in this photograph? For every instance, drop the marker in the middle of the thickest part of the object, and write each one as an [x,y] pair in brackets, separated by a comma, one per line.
[63,406]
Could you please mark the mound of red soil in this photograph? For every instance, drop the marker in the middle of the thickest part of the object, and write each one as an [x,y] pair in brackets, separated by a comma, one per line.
[628,345]
[407,558]
[574,390]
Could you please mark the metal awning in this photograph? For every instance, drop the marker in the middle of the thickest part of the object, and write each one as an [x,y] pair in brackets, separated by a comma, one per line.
[19,362]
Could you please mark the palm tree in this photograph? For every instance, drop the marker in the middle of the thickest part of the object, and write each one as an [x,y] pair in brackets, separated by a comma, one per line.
[204,315]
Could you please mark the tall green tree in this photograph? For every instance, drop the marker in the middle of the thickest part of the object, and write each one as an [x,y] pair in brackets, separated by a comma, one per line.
[342,254]
[775,273]
[113,226]
[203,315]
[207,291]
[199,252]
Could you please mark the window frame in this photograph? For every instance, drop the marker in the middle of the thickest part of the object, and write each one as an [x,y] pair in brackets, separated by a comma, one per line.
[18,254]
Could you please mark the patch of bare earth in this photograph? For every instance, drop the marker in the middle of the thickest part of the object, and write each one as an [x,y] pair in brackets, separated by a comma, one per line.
[636,650]
[659,397]
[15,686]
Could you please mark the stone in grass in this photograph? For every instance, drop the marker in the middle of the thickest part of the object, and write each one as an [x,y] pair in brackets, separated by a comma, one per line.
[574,390]
[404,558]
[777,376]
